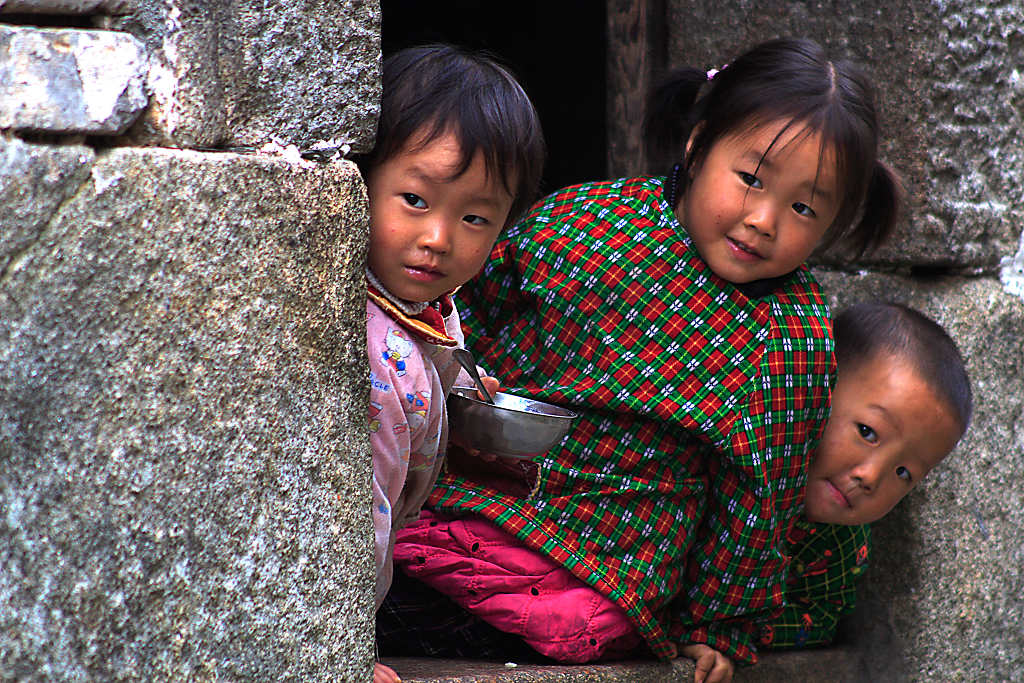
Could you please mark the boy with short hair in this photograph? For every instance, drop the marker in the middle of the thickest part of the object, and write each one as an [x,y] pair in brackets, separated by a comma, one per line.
[901,403]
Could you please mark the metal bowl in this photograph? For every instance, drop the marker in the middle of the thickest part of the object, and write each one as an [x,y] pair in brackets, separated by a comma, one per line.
[514,427]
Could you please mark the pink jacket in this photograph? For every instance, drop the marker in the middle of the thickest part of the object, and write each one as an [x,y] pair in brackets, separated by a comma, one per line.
[411,373]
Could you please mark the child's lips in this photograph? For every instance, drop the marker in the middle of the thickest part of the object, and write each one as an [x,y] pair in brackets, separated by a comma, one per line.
[424,273]
[837,495]
[743,250]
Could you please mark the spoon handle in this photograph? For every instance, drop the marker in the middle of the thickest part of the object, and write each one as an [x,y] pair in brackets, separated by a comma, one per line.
[465,359]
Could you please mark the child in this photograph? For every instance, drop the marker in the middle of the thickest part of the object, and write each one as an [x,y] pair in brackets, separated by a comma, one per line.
[902,401]
[677,317]
[458,156]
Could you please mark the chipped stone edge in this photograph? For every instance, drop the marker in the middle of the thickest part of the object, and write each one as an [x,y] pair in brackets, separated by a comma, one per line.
[1011,271]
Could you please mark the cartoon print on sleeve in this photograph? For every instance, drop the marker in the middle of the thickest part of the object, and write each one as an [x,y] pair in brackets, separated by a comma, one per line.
[417,407]
[399,347]
[375,409]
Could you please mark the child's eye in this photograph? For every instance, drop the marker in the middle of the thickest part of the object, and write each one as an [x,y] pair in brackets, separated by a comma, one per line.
[750,179]
[414,200]
[867,433]
[475,220]
[903,473]
[804,210]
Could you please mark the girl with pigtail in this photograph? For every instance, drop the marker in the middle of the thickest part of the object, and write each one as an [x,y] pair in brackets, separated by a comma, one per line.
[678,317]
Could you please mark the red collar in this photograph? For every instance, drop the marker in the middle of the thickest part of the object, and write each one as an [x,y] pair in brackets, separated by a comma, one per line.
[428,325]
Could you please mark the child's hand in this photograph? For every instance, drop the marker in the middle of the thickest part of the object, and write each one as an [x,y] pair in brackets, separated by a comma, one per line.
[712,665]
[384,674]
[492,384]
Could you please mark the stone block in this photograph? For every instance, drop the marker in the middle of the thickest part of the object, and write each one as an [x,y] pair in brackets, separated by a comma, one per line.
[184,468]
[240,73]
[950,91]
[944,597]
[835,665]
[34,181]
[425,670]
[66,7]
[70,80]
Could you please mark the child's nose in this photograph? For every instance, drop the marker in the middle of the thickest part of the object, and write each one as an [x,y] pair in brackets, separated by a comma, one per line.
[437,236]
[761,216]
[867,474]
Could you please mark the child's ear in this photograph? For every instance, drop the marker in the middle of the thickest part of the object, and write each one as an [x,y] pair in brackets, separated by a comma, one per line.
[693,136]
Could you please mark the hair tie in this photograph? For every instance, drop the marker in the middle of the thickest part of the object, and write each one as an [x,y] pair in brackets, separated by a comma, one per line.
[714,72]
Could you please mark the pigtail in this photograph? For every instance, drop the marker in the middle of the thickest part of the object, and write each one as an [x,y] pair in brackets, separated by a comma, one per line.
[883,203]
[671,115]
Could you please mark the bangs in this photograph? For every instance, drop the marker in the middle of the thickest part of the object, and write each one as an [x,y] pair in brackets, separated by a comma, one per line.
[497,153]
[436,90]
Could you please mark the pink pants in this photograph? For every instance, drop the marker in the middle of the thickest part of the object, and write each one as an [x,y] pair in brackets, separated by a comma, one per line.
[515,589]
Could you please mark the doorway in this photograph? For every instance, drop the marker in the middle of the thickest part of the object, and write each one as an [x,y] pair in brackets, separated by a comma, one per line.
[555,49]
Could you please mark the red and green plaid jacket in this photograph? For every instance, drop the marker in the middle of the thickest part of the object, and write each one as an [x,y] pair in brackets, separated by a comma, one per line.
[699,406]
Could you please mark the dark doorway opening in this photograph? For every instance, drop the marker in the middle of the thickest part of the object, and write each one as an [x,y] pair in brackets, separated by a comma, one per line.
[556,50]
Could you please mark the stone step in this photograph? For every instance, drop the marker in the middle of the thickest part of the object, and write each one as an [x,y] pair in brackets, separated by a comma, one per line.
[839,665]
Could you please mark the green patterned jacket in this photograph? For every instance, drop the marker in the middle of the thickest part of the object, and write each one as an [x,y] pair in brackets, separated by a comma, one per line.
[828,560]
[700,403]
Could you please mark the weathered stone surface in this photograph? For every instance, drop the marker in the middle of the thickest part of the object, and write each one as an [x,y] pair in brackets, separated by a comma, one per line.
[424,670]
[70,80]
[34,180]
[1011,271]
[951,94]
[183,464]
[835,665]
[944,598]
[241,73]
[66,6]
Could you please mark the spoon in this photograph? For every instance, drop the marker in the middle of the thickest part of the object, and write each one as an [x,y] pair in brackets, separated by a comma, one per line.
[465,359]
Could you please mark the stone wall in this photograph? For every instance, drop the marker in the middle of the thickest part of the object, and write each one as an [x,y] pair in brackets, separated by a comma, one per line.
[183,464]
[943,600]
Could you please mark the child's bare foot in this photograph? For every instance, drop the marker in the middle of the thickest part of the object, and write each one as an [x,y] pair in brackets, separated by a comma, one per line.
[384,674]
